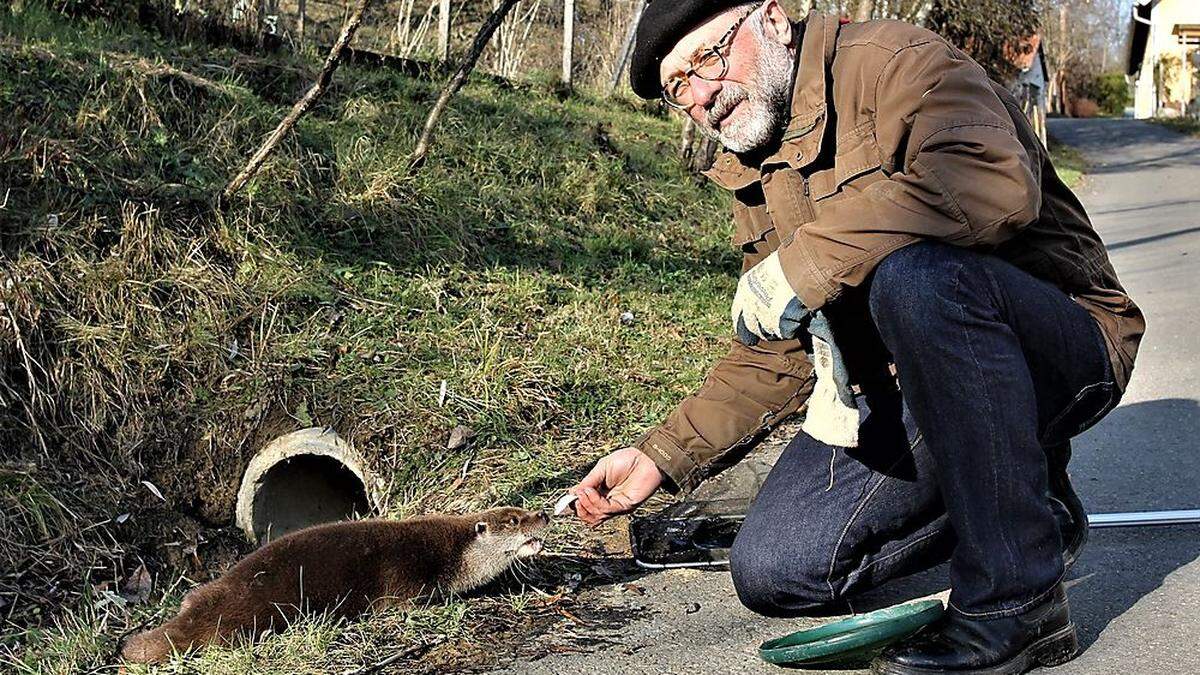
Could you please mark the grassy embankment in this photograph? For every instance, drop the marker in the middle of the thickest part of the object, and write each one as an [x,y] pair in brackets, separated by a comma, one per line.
[1184,125]
[148,336]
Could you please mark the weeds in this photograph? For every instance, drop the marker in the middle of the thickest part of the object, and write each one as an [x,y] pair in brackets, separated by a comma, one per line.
[1068,162]
[1187,124]
[147,337]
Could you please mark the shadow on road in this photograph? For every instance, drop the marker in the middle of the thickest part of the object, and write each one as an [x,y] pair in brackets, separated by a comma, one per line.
[1119,566]
[1155,237]
[1138,145]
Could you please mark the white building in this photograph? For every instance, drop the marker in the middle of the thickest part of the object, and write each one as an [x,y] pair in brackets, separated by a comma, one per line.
[1164,57]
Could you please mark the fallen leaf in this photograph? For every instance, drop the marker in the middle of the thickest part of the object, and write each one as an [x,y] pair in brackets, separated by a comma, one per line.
[460,436]
[154,490]
[136,588]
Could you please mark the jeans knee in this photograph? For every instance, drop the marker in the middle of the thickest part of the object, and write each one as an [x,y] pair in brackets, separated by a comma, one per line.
[771,583]
[914,290]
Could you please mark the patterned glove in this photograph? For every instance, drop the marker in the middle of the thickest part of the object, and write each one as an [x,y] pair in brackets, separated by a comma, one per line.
[765,307]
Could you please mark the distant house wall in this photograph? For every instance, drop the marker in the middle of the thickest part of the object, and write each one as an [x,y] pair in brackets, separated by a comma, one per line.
[1161,65]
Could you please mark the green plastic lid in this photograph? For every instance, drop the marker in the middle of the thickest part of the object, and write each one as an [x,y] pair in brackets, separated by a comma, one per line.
[851,639]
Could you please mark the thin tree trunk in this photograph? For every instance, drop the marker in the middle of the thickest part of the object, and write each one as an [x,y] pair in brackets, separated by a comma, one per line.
[458,80]
[301,20]
[568,47]
[686,140]
[866,8]
[310,97]
[443,49]
[702,158]
[623,59]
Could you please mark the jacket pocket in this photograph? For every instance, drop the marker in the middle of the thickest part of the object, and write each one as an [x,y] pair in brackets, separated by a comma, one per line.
[857,155]
[751,224]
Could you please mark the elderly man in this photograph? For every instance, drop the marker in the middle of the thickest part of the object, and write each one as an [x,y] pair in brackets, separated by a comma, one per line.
[886,189]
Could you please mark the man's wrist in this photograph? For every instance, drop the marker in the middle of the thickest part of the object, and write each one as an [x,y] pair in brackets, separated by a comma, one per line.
[679,470]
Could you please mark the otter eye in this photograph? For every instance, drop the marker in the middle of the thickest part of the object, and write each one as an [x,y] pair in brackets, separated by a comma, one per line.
[514,520]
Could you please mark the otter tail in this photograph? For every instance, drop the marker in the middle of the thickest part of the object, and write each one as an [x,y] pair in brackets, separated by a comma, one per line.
[205,617]
[156,645]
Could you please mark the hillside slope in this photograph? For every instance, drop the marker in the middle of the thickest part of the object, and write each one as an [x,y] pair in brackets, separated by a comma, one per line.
[150,339]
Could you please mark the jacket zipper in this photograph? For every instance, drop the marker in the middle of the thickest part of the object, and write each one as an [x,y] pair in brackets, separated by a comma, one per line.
[810,214]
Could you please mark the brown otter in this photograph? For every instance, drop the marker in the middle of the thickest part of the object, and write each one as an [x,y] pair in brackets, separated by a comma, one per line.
[345,568]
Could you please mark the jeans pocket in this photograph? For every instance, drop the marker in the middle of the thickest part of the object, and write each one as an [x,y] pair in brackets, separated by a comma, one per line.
[1088,407]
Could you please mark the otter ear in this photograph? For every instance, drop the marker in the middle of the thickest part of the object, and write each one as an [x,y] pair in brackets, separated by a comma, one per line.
[481,527]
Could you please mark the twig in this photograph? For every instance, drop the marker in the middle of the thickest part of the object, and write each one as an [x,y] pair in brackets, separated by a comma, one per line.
[191,78]
[413,650]
[147,69]
[310,97]
[457,80]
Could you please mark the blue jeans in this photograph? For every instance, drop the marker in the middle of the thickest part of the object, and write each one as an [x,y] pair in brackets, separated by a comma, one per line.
[996,369]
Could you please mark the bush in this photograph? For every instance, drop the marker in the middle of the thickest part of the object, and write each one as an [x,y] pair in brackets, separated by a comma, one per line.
[1109,91]
[1084,107]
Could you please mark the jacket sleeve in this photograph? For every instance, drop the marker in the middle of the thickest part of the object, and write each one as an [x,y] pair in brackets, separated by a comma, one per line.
[960,176]
[745,395]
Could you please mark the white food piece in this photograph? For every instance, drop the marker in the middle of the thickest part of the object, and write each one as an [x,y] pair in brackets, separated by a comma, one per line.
[564,503]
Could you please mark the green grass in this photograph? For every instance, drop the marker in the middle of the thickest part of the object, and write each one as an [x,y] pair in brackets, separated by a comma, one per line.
[1068,162]
[1184,125]
[149,336]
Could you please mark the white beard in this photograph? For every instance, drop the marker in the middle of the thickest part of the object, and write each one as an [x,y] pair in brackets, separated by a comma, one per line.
[763,109]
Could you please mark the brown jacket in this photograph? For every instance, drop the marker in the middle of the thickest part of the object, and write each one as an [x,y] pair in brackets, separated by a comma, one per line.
[895,136]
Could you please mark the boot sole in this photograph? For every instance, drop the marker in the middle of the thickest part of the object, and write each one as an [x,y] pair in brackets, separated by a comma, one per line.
[1053,650]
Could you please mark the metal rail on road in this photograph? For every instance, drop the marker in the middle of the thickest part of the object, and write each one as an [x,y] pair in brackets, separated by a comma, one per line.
[1141,518]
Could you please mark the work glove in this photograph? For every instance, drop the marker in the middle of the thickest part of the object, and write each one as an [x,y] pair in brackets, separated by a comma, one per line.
[765,307]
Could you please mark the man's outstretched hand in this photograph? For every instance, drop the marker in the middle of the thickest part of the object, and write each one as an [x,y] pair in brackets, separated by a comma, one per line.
[618,484]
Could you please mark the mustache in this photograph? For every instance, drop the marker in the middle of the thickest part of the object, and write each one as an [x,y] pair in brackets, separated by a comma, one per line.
[727,99]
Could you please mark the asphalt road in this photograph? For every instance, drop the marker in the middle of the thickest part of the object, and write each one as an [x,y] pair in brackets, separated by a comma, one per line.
[1135,593]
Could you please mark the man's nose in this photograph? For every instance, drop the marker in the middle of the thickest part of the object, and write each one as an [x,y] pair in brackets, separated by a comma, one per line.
[704,91]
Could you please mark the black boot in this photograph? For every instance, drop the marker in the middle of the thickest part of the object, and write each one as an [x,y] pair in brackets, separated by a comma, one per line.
[1068,509]
[1041,636]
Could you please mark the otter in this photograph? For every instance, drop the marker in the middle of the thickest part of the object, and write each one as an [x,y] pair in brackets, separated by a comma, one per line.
[345,568]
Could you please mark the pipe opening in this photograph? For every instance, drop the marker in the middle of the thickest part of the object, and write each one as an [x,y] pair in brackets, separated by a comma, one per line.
[304,478]
[306,490]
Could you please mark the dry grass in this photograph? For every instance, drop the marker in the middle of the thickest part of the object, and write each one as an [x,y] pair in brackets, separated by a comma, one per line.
[1068,162]
[1184,125]
[149,343]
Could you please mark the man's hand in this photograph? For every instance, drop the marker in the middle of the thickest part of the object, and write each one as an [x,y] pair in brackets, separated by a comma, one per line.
[618,484]
[765,307]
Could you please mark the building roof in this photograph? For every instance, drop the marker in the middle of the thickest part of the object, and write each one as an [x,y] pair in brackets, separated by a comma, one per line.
[1139,35]
[1027,53]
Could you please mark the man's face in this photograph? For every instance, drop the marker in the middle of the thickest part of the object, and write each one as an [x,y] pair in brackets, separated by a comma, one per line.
[747,107]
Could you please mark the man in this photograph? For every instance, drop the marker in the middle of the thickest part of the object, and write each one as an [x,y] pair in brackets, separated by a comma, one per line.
[885,185]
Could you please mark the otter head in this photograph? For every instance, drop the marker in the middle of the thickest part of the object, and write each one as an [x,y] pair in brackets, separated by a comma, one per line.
[511,531]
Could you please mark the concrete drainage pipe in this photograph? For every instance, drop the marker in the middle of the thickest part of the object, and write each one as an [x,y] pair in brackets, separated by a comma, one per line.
[304,478]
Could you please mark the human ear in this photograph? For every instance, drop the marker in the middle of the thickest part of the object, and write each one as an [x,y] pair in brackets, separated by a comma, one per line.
[776,24]
[481,527]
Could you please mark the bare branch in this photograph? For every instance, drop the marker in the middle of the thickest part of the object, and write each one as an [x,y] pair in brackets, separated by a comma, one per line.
[458,80]
[302,106]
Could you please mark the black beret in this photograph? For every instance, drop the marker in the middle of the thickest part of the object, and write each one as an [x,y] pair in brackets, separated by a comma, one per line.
[662,25]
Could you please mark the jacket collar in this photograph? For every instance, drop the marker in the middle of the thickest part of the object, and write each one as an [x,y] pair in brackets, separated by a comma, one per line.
[801,139]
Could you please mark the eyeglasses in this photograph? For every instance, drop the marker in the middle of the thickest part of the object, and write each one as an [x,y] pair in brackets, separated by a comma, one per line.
[709,65]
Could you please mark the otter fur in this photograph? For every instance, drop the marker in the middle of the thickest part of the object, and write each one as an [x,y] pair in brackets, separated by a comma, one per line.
[344,569]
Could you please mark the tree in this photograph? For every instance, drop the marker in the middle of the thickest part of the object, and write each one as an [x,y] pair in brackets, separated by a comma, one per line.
[863,10]
[990,31]
[1081,39]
